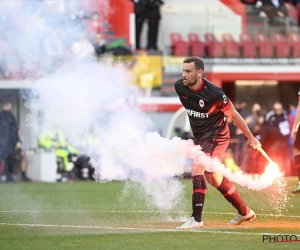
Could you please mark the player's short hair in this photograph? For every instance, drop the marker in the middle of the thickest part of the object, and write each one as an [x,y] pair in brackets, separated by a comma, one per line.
[196,60]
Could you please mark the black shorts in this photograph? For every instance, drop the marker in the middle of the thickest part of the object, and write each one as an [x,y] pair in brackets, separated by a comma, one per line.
[297,140]
[214,147]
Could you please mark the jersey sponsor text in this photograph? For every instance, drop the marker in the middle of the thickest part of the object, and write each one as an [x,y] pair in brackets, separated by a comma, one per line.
[194,113]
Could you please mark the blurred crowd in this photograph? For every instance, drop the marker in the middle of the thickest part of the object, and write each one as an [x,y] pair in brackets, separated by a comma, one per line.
[277,14]
[272,128]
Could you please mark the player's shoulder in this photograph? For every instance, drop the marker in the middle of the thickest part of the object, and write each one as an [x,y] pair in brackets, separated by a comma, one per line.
[214,88]
[179,83]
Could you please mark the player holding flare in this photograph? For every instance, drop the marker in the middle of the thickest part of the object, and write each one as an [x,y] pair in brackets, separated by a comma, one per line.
[295,134]
[206,106]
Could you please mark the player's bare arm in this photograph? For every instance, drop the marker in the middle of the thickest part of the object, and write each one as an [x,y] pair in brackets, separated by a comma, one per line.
[296,122]
[241,124]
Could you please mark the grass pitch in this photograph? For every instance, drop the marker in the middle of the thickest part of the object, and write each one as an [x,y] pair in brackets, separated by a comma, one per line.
[89,215]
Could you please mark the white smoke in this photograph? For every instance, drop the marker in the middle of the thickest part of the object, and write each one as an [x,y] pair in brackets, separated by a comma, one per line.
[98,99]
[186,148]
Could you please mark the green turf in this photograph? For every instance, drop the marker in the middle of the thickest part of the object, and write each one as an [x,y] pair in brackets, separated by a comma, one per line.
[89,215]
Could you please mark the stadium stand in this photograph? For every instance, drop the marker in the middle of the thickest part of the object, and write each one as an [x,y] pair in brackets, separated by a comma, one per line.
[291,11]
[213,46]
[281,46]
[179,47]
[264,46]
[254,22]
[248,46]
[294,41]
[196,46]
[231,47]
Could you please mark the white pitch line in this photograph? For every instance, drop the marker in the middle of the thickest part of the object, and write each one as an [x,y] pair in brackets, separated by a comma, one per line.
[134,229]
[134,211]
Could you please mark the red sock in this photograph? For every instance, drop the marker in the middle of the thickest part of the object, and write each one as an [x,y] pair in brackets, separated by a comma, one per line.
[199,191]
[232,196]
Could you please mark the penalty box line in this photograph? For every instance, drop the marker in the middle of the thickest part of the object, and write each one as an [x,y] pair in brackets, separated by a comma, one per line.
[134,229]
[134,211]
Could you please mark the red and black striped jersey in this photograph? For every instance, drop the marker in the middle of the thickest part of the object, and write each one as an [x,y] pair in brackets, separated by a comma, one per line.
[205,108]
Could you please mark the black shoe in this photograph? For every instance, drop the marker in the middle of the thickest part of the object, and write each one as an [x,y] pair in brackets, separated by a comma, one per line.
[25,178]
[10,179]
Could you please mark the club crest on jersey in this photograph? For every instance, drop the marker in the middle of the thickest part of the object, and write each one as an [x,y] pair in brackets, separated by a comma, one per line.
[224,99]
[201,103]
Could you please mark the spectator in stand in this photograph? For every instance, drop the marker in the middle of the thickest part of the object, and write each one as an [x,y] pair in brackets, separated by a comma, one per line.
[278,118]
[274,143]
[154,16]
[276,12]
[255,120]
[277,123]
[140,17]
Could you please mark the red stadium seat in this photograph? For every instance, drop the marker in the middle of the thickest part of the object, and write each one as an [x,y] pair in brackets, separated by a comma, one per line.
[248,46]
[231,47]
[281,45]
[291,11]
[264,46]
[196,46]
[179,46]
[294,41]
[214,47]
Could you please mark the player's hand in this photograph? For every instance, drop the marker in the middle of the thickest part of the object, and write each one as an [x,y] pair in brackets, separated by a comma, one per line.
[293,134]
[254,143]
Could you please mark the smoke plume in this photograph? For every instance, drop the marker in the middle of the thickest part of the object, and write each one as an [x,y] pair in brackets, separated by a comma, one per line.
[85,97]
